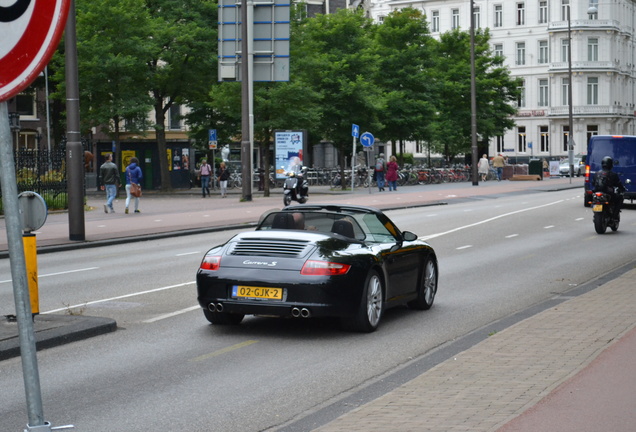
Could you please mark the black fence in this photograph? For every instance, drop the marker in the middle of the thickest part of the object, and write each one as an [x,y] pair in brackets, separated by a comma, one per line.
[44,172]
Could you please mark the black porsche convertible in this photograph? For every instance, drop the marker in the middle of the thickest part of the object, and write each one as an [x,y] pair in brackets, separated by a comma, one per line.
[341,261]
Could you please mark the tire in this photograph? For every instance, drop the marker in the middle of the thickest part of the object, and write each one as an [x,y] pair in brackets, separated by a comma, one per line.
[223,318]
[600,225]
[427,289]
[371,306]
[286,199]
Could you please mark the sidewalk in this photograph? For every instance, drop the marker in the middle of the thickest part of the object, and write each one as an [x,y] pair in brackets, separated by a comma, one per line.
[567,366]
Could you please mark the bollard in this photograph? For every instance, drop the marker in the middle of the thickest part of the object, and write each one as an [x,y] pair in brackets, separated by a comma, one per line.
[31,259]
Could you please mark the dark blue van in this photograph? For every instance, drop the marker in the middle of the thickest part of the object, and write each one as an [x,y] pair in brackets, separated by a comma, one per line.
[621,148]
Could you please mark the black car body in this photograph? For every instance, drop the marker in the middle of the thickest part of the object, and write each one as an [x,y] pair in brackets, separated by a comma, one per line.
[348,262]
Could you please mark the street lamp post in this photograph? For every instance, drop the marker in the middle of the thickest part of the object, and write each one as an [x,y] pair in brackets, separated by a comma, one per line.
[473,97]
[570,83]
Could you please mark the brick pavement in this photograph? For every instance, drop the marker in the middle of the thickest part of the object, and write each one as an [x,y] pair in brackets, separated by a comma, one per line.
[488,385]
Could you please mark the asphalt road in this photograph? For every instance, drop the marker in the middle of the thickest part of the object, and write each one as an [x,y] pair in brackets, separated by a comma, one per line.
[167,369]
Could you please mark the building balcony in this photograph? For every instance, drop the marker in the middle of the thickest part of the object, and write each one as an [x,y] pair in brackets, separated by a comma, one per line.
[589,24]
[591,111]
[583,66]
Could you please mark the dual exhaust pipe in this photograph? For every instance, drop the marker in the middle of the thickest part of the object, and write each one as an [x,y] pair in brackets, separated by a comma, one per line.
[300,313]
[215,307]
[296,311]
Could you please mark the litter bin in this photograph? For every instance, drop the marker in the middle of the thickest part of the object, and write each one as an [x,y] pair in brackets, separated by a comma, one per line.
[536,168]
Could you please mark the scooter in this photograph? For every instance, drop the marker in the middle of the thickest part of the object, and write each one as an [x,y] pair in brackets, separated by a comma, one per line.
[604,213]
[295,188]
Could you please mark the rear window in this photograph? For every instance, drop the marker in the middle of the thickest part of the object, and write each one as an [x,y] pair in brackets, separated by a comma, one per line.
[621,149]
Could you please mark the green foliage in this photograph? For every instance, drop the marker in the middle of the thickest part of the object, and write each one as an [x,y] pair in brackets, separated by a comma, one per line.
[335,56]
[496,93]
[405,48]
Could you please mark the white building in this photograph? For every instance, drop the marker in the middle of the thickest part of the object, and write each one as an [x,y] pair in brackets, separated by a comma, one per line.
[533,37]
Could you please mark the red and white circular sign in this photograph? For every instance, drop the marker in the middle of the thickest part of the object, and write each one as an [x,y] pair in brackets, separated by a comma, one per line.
[29,33]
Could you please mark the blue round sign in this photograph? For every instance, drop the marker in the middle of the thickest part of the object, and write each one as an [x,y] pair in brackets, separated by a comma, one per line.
[367,139]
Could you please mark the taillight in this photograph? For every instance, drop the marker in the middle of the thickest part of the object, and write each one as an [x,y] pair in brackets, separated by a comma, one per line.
[324,268]
[211,262]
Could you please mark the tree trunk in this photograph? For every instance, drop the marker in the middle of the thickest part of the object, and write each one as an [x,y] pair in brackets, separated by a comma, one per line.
[160,121]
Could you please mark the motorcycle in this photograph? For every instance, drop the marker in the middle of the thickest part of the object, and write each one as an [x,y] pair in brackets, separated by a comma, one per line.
[603,211]
[295,187]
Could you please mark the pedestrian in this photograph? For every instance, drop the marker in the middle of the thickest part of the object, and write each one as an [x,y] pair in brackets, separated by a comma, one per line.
[109,179]
[380,170]
[392,169]
[498,162]
[133,175]
[206,172]
[483,167]
[224,175]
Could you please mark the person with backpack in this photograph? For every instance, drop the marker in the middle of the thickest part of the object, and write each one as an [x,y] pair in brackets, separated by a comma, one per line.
[380,170]
[607,181]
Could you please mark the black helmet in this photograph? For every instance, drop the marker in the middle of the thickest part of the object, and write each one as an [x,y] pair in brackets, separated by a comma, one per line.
[607,163]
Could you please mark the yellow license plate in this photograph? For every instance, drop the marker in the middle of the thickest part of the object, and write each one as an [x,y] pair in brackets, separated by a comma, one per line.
[597,208]
[242,291]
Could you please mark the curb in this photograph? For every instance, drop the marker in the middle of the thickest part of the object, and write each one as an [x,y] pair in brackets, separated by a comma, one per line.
[54,330]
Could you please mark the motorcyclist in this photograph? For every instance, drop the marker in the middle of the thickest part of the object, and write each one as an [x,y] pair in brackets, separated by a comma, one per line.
[609,182]
[300,173]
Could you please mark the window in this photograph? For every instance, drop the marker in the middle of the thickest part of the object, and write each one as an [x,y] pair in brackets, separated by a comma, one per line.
[543,92]
[498,50]
[25,104]
[455,19]
[521,53]
[521,101]
[521,14]
[545,139]
[498,16]
[592,130]
[543,52]
[564,50]
[521,142]
[566,135]
[543,12]
[593,4]
[565,88]
[477,17]
[565,8]
[175,117]
[500,144]
[592,49]
[592,90]
[435,21]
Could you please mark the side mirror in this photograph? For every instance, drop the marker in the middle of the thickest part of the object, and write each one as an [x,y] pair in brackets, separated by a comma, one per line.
[409,236]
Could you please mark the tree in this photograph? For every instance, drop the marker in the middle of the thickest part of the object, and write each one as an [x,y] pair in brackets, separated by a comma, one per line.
[497,92]
[112,37]
[181,61]
[405,49]
[335,55]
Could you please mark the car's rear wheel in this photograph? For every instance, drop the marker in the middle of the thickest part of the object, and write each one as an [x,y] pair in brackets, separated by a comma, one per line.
[427,288]
[371,307]
[223,318]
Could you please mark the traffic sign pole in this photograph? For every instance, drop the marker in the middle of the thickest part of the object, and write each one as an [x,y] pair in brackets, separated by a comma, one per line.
[18,272]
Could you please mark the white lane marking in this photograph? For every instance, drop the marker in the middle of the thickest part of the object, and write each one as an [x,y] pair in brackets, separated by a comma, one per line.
[548,227]
[187,253]
[512,235]
[579,219]
[464,247]
[119,297]
[487,220]
[58,273]
[170,315]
